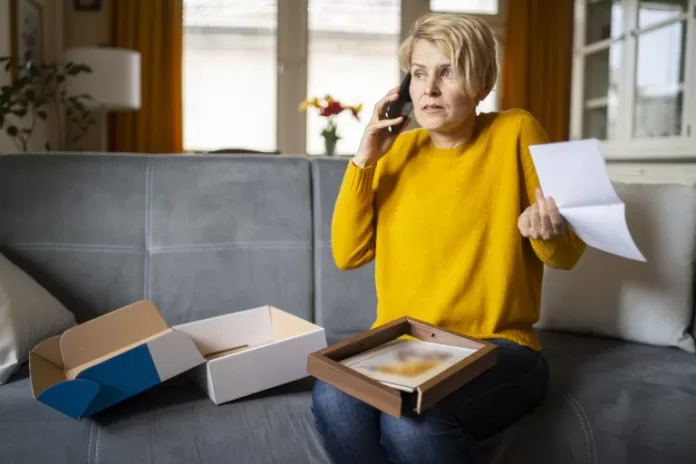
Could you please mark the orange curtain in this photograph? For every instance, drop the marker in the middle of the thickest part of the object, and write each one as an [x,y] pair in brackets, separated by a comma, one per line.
[537,62]
[155,29]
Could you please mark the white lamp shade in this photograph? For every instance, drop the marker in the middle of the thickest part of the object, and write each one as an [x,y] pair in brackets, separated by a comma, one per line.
[113,84]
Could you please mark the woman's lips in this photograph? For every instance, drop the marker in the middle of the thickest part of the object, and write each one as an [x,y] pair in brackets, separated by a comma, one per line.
[431,109]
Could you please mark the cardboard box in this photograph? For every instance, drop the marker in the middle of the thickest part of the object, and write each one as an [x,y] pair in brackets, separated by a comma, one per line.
[95,365]
[326,365]
[251,350]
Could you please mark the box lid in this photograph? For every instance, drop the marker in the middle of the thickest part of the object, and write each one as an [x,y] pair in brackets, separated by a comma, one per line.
[103,361]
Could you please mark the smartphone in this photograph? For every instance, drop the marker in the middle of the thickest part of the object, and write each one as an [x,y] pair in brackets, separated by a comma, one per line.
[401,106]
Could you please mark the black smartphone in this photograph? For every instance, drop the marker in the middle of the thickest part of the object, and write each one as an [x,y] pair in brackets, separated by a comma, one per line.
[401,106]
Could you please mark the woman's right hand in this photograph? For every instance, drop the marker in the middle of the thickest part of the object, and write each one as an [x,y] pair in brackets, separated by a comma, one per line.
[377,140]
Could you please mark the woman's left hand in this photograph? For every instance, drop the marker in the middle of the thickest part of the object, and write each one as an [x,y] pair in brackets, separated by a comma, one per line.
[542,219]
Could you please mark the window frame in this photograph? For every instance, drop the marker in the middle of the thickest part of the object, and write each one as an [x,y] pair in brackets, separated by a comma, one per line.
[625,146]
[292,36]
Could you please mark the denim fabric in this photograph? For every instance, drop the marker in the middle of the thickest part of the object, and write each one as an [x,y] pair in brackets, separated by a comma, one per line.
[355,432]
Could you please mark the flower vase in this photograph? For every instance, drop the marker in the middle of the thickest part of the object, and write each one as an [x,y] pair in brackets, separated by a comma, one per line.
[330,145]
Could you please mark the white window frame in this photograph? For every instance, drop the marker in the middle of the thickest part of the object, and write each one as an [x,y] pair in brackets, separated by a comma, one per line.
[625,147]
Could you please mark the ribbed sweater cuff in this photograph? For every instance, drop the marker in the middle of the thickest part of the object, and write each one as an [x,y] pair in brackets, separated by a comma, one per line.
[359,179]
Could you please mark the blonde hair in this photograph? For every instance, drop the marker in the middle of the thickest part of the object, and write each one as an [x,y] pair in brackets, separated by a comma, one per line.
[468,41]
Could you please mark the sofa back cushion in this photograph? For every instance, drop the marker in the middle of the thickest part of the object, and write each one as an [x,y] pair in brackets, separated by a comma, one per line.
[198,235]
[649,302]
[345,301]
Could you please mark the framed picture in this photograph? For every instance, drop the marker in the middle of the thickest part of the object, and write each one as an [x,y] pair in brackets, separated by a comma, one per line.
[88,5]
[27,32]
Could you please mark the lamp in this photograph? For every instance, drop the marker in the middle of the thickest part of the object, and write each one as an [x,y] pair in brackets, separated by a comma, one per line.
[113,84]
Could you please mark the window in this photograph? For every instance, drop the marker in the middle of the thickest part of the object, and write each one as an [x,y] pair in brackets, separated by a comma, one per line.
[352,56]
[633,77]
[249,64]
[229,75]
[465,6]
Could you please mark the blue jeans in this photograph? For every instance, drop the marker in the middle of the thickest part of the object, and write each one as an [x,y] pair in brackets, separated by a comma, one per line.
[355,432]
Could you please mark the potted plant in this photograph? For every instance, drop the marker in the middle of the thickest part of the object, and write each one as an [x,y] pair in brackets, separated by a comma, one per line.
[40,89]
[330,109]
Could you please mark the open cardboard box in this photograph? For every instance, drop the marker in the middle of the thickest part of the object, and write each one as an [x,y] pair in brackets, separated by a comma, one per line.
[251,350]
[103,361]
[325,365]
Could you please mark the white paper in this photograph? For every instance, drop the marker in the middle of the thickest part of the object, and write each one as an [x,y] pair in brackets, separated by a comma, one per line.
[574,174]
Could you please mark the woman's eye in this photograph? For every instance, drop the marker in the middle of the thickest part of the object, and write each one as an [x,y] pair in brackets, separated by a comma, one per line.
[447,73]
[418,75]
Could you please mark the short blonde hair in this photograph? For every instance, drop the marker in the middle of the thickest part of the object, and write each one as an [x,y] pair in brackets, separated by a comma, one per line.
[468,41]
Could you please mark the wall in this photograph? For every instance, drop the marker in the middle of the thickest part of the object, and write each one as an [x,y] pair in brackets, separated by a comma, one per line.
[87,28]
[84,28]
[53,48]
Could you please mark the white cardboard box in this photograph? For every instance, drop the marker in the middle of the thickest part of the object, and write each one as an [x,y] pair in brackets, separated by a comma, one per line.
[252,350]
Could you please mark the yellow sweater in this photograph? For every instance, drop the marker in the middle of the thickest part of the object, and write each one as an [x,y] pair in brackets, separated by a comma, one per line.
[441,225]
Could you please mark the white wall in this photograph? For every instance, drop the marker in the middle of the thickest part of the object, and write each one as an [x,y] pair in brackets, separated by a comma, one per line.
[53,48]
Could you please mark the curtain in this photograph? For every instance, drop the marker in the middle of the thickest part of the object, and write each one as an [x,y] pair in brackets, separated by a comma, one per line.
[155,29]
[537,62]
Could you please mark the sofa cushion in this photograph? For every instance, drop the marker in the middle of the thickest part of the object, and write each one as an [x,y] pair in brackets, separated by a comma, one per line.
[609,401]
[28,315]
[169,424]
[229,232]
[345,301]
[77,225]
[649,302]
[627,402]
[198,235]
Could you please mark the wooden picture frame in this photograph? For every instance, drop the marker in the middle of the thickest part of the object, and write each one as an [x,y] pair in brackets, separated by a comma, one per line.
[26,33]
[325,365]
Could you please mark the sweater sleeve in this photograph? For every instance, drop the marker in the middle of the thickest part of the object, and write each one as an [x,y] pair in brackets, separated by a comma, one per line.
[562,251]
[352,227]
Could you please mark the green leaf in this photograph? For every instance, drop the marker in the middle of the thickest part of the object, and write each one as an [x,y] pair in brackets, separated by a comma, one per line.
[47,146]
[12,131]
[42,114]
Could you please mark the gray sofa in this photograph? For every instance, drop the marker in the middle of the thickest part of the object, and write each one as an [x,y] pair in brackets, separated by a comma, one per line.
[206,235]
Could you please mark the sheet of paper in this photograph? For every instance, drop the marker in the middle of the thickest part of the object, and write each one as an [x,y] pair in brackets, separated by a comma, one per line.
[574,173]
[604,227]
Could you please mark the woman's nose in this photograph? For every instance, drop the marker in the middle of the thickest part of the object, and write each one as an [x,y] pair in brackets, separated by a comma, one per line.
[432,90]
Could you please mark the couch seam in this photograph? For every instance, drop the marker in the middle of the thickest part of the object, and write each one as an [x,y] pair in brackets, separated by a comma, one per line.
[585,422]
[96,454]
[89,443]
[244,245]
[85,247]
[316,213]
[147,261]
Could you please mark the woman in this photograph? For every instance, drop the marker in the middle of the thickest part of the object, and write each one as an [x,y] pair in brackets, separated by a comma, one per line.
[453,216]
